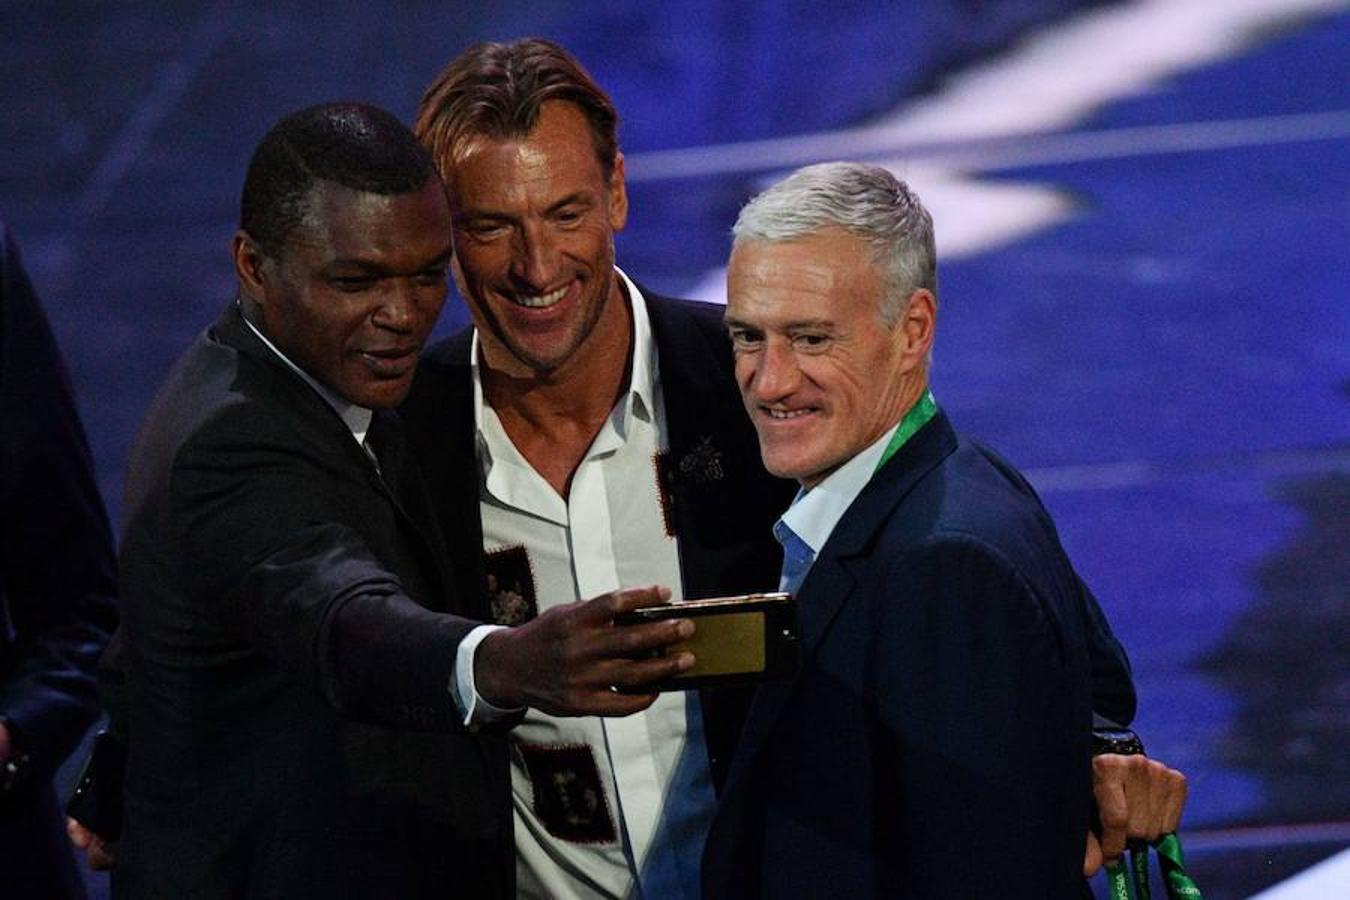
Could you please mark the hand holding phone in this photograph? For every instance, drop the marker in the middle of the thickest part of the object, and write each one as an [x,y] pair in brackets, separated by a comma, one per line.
[749,637]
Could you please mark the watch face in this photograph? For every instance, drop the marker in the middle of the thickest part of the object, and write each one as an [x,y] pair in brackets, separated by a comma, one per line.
[1120,741]
[13,773]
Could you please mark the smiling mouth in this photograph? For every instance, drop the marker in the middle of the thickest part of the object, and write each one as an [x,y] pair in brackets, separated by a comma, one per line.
[391,363]
[539,301]
[391,352]
[782,414]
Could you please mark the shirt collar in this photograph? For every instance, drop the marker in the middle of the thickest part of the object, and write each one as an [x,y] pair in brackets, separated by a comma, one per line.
[639,399]
[356,418]
[642,384]
[814,513]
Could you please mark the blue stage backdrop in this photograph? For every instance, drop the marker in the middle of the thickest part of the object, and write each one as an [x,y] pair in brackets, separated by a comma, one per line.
[1143,211]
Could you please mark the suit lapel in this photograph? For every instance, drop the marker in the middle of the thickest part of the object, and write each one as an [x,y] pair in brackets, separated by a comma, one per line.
[438,416]
[297,395]
[401,481]
[696,412]
[721,501]
[718,497]
[460,470]
[836,573]
[399,486]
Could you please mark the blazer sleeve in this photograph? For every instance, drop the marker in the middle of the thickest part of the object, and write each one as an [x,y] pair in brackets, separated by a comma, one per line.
[281,562]
[57,582]
[983,723]
[1113,695]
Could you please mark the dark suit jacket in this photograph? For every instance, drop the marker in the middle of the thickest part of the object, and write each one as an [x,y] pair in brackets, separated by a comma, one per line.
[936,742]
[289,654]
[57,583]
[720,501]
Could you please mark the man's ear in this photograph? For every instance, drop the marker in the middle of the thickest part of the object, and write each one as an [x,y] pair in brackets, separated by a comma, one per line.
[917,327]
[618,194]
[249,262]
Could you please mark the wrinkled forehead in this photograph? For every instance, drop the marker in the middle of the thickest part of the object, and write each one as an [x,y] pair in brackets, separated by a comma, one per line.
[820,275]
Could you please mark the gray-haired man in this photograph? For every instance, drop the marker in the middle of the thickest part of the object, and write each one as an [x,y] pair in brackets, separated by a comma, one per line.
[936,741]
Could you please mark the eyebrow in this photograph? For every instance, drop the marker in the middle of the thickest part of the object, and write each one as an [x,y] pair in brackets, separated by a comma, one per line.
[733,322]
[475,215]
[575,197]
[374,268]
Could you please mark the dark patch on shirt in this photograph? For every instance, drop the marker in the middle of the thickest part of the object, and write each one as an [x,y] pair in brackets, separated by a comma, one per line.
[569,797]
[510,586]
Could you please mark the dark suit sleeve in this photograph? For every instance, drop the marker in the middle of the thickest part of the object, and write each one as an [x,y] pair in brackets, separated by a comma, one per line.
[1113,695]
[983,719]
[280,563]
[57,585]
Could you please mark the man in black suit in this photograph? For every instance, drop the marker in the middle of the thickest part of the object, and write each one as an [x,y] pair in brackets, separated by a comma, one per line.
[936,742]
[57,587]
[577,390]
[292,633]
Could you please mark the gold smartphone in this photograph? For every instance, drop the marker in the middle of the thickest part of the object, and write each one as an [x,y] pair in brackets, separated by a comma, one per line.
[749,637]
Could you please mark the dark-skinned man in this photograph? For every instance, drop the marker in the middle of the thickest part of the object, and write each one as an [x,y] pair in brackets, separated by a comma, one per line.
[291,631]
[601,423]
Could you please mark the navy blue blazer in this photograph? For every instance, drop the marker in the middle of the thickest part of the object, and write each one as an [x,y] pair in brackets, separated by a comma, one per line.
[57,583]
[935,743]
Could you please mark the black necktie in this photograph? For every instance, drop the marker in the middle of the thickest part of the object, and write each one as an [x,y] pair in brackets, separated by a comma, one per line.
[385,440]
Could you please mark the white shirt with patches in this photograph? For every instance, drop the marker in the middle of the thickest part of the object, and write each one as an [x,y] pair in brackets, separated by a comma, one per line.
[603,807]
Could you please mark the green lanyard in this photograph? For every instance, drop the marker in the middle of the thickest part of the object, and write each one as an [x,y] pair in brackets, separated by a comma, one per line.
[1179,884]
[916,418]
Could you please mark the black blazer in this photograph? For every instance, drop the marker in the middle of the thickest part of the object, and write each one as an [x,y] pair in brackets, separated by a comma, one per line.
[936,742]
[57,583]
[720,501]
[290,634]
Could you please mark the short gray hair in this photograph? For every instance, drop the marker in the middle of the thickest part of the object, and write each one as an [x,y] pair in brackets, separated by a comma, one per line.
[867,201]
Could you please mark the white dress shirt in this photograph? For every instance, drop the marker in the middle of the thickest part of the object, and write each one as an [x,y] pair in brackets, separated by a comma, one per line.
[624,805]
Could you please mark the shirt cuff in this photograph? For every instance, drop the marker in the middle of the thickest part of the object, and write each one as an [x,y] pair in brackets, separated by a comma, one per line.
[474,709]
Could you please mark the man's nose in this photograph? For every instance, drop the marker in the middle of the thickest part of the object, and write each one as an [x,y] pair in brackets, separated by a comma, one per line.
[777,374]
[397,302]
[536,258]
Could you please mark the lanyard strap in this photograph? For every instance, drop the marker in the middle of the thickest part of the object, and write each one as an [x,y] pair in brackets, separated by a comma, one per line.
[1179,885]
[916,418]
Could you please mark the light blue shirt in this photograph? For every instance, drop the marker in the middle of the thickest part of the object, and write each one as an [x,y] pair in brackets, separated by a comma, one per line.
[816,512]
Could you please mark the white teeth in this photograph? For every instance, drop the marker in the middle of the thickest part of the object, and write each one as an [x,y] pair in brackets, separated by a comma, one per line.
[543,301]
[786,413]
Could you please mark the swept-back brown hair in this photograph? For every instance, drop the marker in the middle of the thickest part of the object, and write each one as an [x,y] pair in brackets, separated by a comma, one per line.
[496,90]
